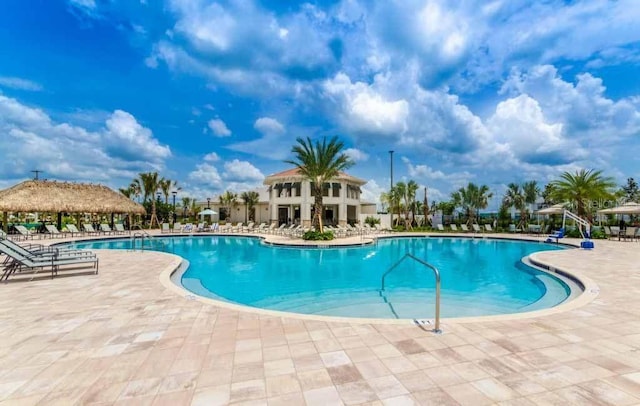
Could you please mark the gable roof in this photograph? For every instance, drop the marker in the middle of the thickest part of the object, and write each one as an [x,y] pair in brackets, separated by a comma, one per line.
[293,174]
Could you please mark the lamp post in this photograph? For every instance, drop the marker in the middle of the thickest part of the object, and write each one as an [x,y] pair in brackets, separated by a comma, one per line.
[174,193]
[208,202]
[391,191]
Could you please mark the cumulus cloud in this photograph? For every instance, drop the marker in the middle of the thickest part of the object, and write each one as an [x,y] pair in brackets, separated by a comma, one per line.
[127,138]
[268,125]
[361,108]
[211,157]
[241,171]
[356,155]
[20,84]
[219,128]
[117,150]
[206,174]
[425,173]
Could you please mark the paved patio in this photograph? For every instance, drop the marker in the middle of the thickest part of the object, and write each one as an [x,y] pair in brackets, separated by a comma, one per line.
[121,337]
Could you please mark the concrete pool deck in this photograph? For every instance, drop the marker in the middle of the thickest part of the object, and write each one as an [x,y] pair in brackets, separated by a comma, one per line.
[122,337]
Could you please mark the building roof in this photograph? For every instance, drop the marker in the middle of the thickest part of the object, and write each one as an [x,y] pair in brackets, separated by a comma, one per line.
[293,174]
[57,197]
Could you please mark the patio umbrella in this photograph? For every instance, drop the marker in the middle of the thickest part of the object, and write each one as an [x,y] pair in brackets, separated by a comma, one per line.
[627,208]
[207,212]
[555,209]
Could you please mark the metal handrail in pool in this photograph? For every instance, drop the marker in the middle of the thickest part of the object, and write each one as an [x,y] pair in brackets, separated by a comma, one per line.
[436,274]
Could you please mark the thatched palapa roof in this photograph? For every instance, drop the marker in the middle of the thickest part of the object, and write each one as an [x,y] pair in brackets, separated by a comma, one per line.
[52,196]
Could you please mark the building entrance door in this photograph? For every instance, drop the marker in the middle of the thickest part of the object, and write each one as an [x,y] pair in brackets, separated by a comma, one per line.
[283,215]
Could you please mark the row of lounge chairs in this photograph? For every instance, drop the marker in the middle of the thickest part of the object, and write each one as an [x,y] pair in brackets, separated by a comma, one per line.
[52,231]
[476,228]
[35,257]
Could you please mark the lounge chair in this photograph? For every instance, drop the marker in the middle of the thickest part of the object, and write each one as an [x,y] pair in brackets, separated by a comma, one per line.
[73,229]
[248,228]
[88,228]
[629,233]
[488,228]
[164,228]
[177,227]
[464,228]
[105,228]
[512,228]
[119,228]
[607,232]
[453,227]
[201,227]
[19,258]
[53,231]
[188,228]
[440,227]
[476,228]
[24,233]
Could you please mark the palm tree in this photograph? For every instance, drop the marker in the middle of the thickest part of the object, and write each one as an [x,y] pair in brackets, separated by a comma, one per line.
[166,186]
[471,199]
[128,192]
[136,188]
[186,202]
[581,188]
[531,192]
[150,182]
[251,199]
[228,200]
[515,197]
[319,163]
[399,193]
[410,201]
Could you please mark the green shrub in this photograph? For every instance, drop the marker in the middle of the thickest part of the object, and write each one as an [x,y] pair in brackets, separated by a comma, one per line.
[372,221]
[313,235]
[598,235]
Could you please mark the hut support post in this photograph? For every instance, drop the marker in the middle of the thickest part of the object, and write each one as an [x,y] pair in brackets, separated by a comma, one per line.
[112,223]
[5,222]
[59,221]
[78,225]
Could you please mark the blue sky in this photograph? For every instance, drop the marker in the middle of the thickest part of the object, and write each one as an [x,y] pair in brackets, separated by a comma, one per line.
[214,93]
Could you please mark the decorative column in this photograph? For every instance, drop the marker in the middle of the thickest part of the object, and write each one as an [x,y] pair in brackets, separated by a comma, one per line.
[342,207]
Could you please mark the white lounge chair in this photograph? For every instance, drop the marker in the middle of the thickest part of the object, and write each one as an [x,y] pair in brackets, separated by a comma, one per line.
[53,231]
[119,228]
[488,228]
[23,232]
[164,228]
[440,227]
[73,229]
[464,228]
[177,227]
[476,228]
[105,228]
[454,227]
[88,228]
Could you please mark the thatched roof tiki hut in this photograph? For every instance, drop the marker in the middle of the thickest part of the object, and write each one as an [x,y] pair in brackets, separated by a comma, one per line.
[64,197]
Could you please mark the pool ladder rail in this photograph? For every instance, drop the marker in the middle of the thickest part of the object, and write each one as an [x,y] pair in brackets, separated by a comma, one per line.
[140,235]
[436,273]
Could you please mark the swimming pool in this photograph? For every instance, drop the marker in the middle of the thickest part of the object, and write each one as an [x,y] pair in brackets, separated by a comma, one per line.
[479,276]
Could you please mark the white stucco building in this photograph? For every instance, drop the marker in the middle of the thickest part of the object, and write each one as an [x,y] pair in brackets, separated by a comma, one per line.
[286,198]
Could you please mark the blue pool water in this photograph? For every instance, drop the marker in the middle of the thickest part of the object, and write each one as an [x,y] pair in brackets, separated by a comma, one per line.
[479,276]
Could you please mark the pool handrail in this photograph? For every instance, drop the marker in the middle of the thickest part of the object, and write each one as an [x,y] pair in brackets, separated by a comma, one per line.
[436,274]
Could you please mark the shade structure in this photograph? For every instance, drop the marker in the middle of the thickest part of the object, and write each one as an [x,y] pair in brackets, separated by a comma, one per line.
[207,212]
[555,209]
[627,208]
[65,197]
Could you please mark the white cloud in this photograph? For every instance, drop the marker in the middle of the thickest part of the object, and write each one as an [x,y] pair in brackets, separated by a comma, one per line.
[117,151]
[206,174]
[371,192]
[362,108]
[126,137]
[20,84]
[356,155]
[219,128]
[425,173]
[268,125]
[211,157]
[242,171]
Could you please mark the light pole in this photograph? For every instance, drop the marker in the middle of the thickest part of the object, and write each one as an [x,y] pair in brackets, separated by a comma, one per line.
[391,192]
[174,193]
[208,202]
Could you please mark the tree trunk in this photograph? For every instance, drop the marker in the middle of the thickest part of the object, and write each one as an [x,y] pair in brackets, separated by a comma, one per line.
[318,208]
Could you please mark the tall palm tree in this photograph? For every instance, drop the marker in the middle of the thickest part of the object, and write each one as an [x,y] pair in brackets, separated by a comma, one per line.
[319,162]
[410,201]
[186,203]
[150,182]
[515,197]
[471,199]
[167,186]
[581,188]
[399,193]
[531,192]
[136,187]
[251,199]
[228,200]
